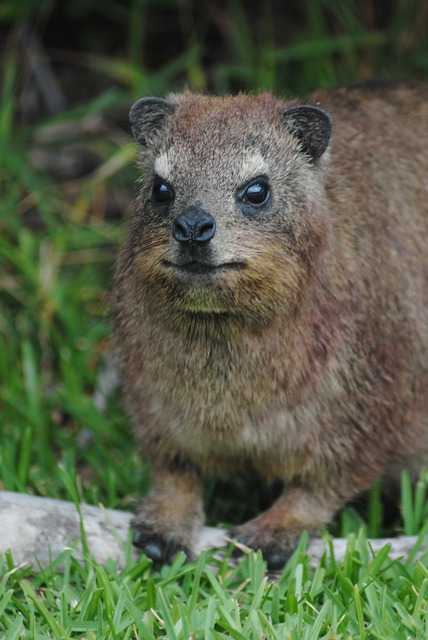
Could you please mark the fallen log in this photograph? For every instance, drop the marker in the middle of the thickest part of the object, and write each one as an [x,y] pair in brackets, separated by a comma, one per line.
[36,530]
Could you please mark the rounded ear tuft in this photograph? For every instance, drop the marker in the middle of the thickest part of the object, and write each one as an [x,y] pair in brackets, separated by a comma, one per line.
[311,125]
[147,116]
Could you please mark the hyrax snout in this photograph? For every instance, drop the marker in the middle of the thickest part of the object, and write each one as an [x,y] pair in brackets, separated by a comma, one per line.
[193,227]
[271,303]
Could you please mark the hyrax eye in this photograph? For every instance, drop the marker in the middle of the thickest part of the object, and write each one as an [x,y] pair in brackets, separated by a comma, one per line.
[162,192]
[254,194]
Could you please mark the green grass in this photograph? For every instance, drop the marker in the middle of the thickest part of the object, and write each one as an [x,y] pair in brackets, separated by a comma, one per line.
[58,241]
[363,596]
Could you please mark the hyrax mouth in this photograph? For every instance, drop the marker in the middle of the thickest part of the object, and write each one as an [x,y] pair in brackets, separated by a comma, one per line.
[197,267]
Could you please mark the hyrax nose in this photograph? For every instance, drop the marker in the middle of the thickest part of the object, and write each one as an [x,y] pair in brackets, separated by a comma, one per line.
[193,225]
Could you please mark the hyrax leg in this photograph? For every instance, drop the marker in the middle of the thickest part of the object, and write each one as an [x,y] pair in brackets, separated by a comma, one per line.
[168,520]
[276,530]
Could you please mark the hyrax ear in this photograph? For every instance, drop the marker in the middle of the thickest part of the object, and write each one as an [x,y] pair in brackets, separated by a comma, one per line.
[311,125]
[147,116]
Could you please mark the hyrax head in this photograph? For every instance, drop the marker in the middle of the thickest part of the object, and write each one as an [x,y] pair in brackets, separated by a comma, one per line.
[230,217]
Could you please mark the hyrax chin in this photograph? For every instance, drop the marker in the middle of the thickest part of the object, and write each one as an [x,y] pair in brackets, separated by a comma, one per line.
[271,303]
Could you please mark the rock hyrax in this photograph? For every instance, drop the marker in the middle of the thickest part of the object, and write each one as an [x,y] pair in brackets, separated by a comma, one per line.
[271,303]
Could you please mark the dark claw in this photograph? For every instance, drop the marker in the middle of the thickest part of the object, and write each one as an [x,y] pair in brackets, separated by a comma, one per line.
[154,551]
[275,561]
[155,547]
[138,538]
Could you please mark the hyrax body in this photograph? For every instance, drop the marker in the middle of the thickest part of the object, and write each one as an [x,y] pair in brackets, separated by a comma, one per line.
[271,302]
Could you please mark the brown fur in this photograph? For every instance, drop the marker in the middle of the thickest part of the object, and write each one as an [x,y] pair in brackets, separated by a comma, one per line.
[305,359]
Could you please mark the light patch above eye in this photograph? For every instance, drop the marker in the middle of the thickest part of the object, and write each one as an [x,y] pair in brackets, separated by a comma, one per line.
[253,164]
[163,165]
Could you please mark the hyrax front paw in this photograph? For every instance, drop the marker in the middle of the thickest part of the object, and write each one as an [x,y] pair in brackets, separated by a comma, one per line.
[276,545]
[161,530]
[161,547]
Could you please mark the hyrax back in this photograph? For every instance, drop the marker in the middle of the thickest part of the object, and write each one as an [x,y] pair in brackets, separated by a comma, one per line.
[271,302]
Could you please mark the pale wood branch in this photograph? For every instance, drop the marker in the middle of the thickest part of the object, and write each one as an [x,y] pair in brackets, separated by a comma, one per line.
[38,529]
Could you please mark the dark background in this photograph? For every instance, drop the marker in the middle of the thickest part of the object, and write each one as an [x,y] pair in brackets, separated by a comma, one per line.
[151,46]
